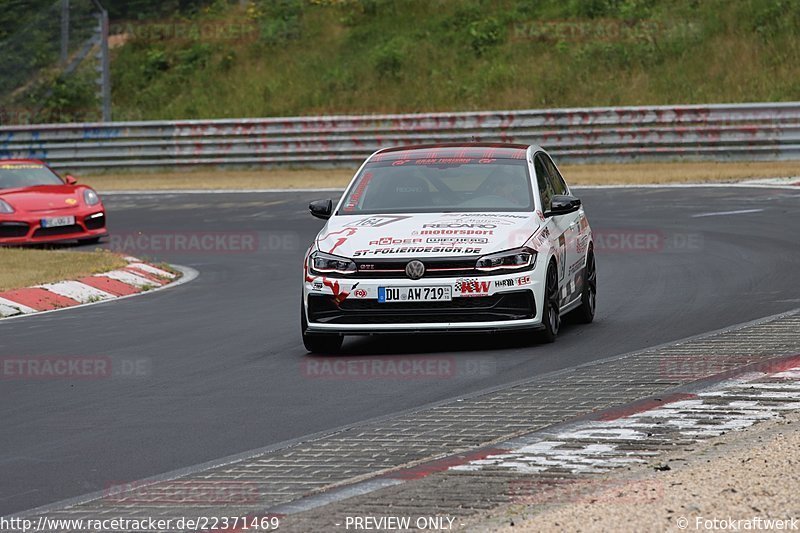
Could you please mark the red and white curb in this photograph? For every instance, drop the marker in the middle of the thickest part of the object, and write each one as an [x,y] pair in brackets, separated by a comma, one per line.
[599,446]
[135,278]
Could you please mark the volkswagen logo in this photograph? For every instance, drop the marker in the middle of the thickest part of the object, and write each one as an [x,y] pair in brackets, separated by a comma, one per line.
[415,269]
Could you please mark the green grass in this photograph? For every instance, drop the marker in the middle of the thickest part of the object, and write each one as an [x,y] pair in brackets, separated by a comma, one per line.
[301,57]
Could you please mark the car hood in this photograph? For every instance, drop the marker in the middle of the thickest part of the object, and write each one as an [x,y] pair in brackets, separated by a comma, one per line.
[426,235]
[42,197]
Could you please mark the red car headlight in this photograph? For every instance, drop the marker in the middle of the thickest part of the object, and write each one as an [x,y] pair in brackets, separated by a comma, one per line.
[90,197]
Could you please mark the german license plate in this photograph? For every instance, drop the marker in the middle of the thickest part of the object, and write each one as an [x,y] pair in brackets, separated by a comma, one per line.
[54,222]
[414,294]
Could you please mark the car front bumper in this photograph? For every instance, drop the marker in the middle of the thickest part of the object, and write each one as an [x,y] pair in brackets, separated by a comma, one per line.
[27,229]
[488,304]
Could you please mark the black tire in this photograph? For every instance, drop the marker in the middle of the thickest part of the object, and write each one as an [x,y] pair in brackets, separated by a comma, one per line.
[551,309]
[585,312]
[319,343]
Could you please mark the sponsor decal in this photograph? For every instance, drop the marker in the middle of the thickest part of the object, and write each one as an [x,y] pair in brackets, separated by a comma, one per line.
[456,225]
[484,215]
[576,266]
[504,282]
[443,161]
[317,286]
[71,201]
[454,232]
[359,293]
[418,250]
[352,203]
[472,287]
[385,241]
[376,221]
[580,245]
[458,240]
[584,223]
[523,280]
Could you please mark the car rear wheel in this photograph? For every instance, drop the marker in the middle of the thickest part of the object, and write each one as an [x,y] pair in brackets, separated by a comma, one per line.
[585,313]
[551,309]
[319,343]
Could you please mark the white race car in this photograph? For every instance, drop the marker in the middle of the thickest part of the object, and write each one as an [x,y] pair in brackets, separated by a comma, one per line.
[449,237]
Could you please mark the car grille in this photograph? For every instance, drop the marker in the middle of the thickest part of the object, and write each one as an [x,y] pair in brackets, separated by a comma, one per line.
[516,305]
[444,267]
[13,229]
[58,230]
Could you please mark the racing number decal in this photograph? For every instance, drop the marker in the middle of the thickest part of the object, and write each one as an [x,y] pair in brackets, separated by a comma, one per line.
[562,255]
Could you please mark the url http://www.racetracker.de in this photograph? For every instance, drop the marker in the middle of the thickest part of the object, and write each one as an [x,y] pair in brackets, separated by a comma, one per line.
[44,524]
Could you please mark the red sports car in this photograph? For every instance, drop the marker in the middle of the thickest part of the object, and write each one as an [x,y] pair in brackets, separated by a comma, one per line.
[39,206]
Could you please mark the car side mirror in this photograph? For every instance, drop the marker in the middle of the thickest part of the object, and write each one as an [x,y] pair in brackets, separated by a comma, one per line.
[70,179]
[321,208]
[563,204]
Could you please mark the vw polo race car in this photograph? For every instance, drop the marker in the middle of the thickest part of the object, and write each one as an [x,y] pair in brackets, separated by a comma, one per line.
[467,237]
[39,206]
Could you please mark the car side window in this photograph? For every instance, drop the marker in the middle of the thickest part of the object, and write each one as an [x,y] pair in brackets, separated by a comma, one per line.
[559,185]
[543,182]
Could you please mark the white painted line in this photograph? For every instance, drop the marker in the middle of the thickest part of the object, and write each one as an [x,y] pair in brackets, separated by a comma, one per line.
[7,310]
[130,278]
[722,213]
[78,291]
[21,308]
[152,270]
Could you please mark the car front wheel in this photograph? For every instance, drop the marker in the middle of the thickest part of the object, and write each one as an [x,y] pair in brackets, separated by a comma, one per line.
[551,318]
[585,313]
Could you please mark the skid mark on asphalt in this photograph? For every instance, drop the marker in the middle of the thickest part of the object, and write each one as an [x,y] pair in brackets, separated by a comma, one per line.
[723,213]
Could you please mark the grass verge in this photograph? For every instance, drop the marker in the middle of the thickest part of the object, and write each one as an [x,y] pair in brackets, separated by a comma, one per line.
[23,267]
[594,174]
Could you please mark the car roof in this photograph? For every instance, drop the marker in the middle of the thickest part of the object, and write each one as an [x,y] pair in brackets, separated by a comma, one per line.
[475,150]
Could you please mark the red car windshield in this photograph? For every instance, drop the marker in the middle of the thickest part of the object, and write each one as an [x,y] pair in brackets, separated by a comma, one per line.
[17,175]
[429,186]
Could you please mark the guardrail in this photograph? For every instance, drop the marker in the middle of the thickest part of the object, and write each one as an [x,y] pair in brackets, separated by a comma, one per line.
[613,134]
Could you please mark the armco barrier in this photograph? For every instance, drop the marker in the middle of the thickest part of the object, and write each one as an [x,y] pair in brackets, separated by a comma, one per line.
[762,131]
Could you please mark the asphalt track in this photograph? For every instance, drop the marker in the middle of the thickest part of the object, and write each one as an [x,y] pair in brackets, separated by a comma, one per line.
[215,367]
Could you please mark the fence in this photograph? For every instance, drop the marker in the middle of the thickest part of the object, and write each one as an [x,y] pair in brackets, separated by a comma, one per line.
[707,132]
[55,42]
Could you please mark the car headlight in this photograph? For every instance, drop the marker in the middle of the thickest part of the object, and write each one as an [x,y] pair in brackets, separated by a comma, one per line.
[90,197]
[517,259]
[322,263]
[5,207]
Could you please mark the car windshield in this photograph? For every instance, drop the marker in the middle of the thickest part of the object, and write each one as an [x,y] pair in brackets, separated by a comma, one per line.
[430,186]
[16,175]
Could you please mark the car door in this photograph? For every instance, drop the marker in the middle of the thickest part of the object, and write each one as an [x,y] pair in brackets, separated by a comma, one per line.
[556,225]
[572,228]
